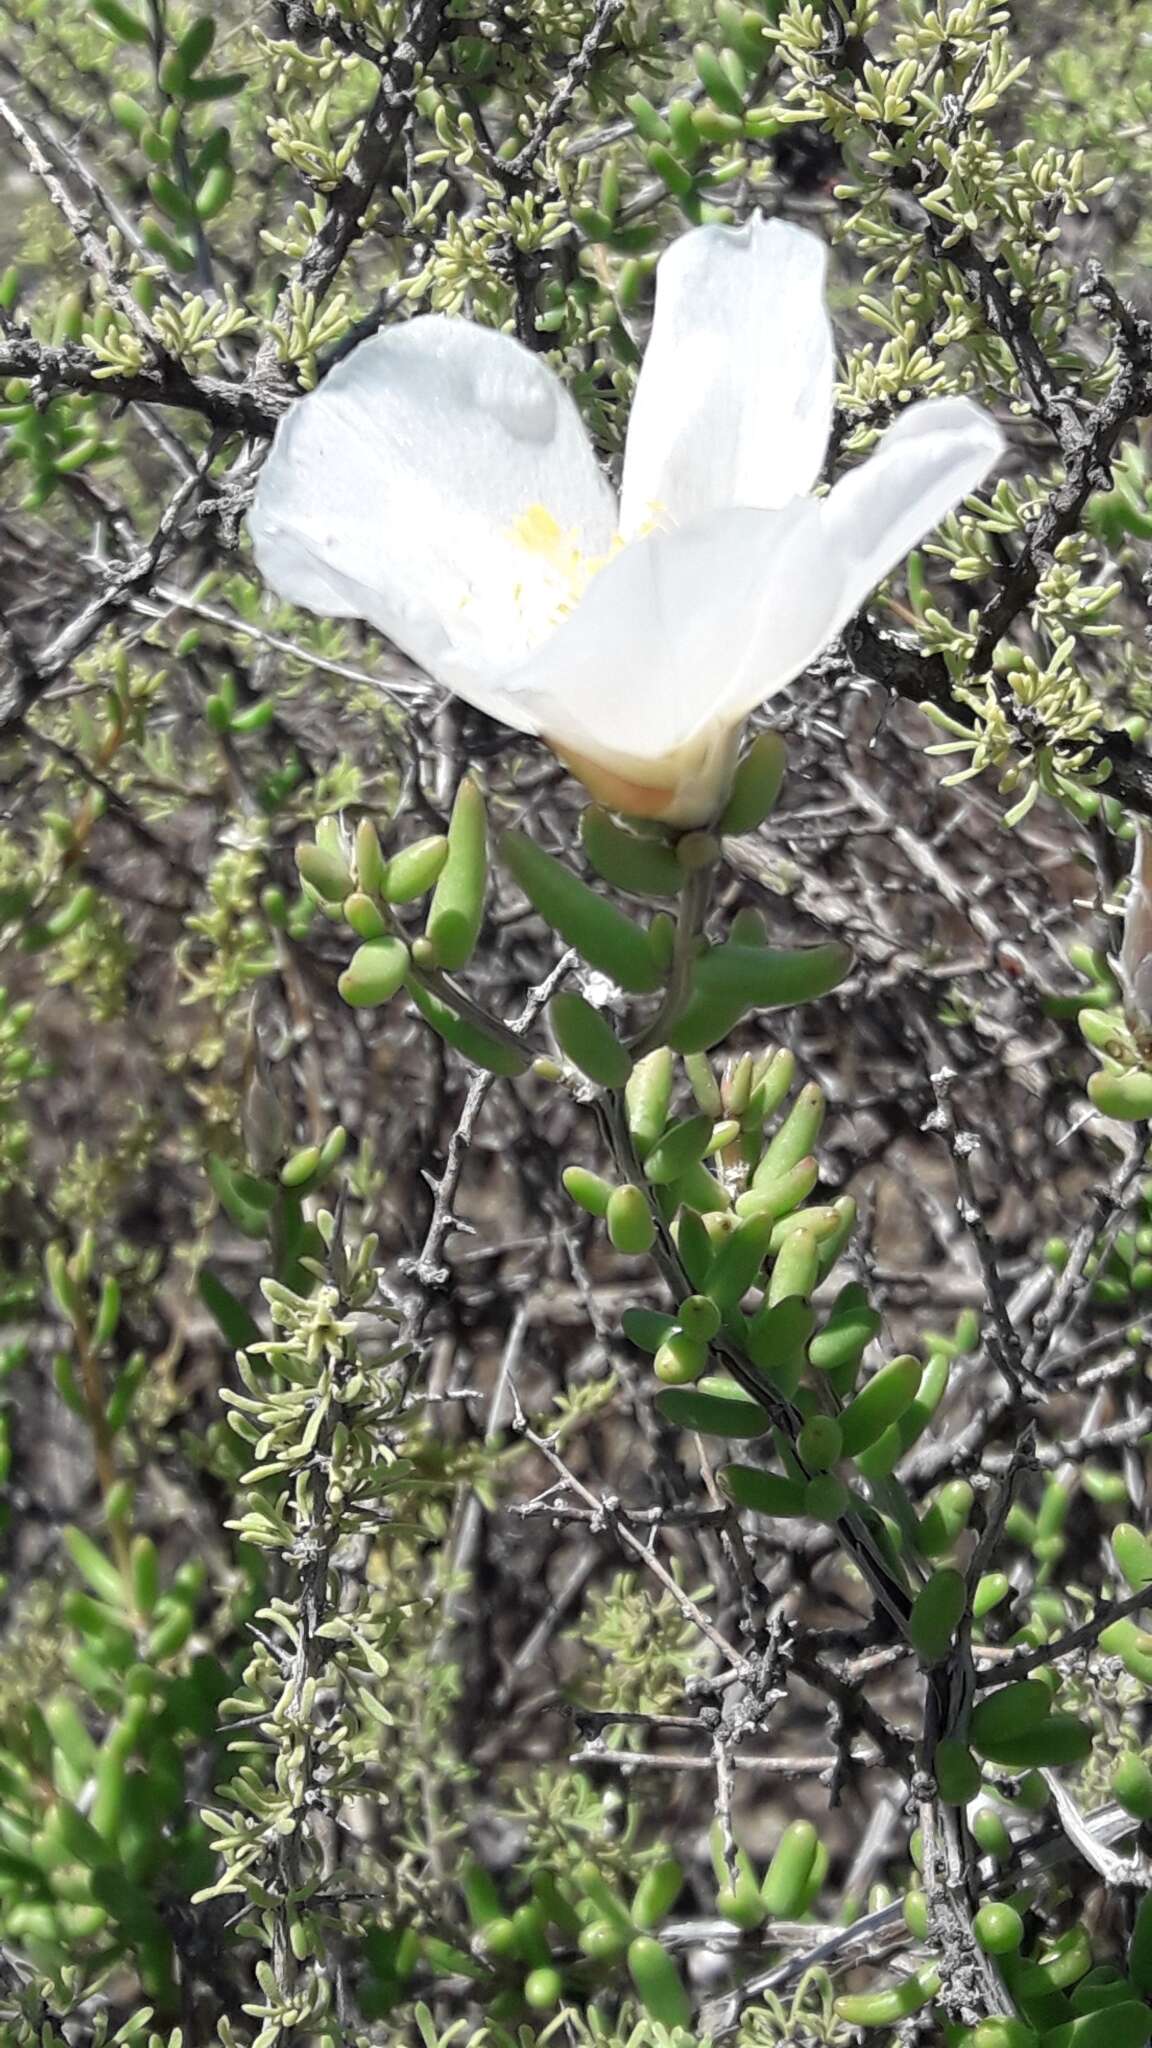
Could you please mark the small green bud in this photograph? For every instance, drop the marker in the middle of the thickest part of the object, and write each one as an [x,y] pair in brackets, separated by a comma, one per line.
[680,1359]
[1125,1096]
[374,973]
[699,1318]
[696,850]
[543,1988]
[412,872]
[658,1983]
[361,913]
[589,1190]
[991,1591]
[786,1879]
[602,1941]
[819,1444]
[998,1928]
[647,1096]
[990,1834]
[1132,1787]
[1133,1553]
[915,1910]
[371,866]
[325,872]
[630,1224]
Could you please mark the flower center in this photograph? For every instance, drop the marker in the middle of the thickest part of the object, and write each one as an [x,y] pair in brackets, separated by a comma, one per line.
[568,569]
[560,570]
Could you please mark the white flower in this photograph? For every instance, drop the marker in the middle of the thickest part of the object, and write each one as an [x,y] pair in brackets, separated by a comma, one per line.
[439,484]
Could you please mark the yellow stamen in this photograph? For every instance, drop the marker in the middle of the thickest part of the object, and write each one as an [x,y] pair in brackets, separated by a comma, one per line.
[540,534]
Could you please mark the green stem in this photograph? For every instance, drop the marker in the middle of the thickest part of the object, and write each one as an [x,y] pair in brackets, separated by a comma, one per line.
[691,912]
[850,1530]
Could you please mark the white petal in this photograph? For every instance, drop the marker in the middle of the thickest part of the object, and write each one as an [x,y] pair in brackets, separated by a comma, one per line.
[700,624]
[394,493]
[922,468]
[650,656]
[734,400]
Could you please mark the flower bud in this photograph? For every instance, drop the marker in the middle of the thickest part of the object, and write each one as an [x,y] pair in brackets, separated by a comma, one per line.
[786,1879]
[647,1097]
[370,863]
[1125,1096]
[680,1359]
[361,913]
[374,973]
[325,872]
[412,871]
[629,1220]
[658,1983]
[590,1190]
